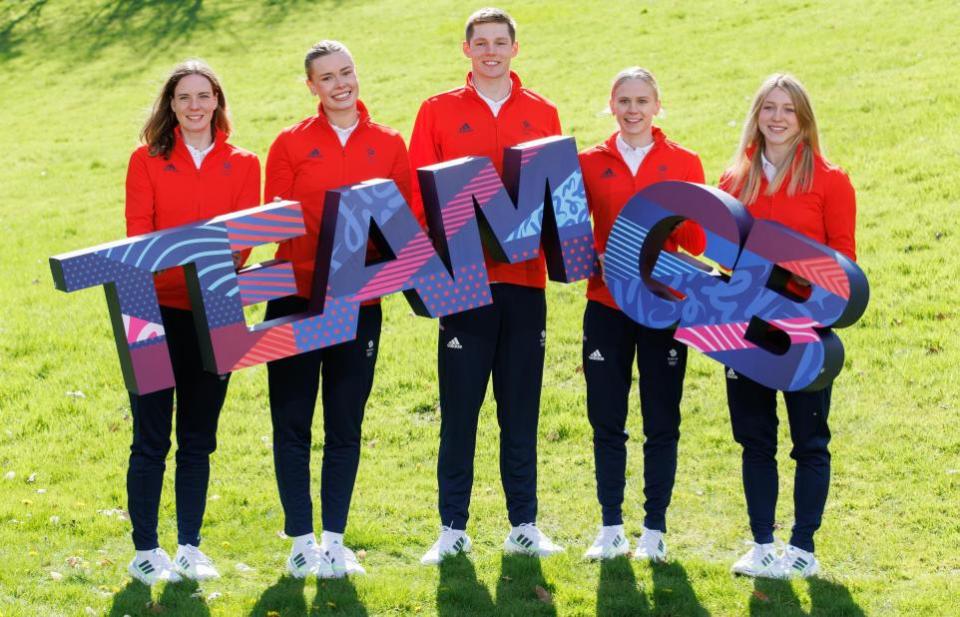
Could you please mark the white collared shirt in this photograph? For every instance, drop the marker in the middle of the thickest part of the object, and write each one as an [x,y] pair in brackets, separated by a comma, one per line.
[344,134]
[197,154]
[494,105]
[769,169]
[632,156]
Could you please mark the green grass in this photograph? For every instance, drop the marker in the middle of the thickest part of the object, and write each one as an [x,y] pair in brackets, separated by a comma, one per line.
[76,79]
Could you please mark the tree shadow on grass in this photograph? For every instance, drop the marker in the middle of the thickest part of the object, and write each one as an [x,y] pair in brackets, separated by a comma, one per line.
[284,598]
[18,23]
[827,599]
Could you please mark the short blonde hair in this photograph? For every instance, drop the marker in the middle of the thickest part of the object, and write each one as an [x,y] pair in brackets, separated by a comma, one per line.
[635,72]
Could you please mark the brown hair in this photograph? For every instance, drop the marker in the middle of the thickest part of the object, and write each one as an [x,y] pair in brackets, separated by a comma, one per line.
[746,171]
[321,49]
[157,132]
[491,15]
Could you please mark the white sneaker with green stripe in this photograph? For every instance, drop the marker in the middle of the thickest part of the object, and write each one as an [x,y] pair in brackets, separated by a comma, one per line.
[153,566]
[651,546]
[450,542]
[526,539]
[760,560]
[795,563]
[309,559]
[193,564]
[610,542]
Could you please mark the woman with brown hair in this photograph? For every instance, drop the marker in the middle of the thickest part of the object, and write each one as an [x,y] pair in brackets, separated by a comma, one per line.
[185,171]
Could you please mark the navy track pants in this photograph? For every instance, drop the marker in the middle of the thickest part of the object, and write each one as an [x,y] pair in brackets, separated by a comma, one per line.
[753,414]
[347,373]
[610,341]
[199,397]
[505,339]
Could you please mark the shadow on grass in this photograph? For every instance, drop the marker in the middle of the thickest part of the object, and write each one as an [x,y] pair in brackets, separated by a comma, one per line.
[184,598]
[131,600]
[672,594]
[827,599]
[283,598]
[459,593]
[337,596]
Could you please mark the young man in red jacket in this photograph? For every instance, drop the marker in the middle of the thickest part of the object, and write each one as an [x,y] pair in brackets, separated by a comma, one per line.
[492,111]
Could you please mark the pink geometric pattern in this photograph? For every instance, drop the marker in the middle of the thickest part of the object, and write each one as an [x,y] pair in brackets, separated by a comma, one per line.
[823,271]
[140,329]
[725,337]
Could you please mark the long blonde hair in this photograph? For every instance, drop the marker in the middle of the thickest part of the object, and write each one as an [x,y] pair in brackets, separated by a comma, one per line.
[746,168]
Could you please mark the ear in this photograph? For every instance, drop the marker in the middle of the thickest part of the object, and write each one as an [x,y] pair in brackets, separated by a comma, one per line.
[659,107]
[465,46]
[310,87]
[515,49]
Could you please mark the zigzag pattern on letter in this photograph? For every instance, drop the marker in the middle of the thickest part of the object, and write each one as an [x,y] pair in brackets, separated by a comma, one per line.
[264,227]
[730,336]
[482,187]
[823,271]
[410,259]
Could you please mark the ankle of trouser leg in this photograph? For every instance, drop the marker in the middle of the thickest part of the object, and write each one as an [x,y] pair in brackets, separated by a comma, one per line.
[802,542]
[611,515]
[655,522]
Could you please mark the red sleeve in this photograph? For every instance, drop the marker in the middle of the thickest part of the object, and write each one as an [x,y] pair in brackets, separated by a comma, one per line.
[557,129]
[279,181]
[401,173]
[840,215]
[140,206]
[249,195]
[423,152]
[689,235]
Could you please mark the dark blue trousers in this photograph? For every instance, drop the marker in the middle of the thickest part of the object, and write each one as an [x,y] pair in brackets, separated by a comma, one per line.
[347,374]
[199,397]
[610,340]
[753,414]
[507,339]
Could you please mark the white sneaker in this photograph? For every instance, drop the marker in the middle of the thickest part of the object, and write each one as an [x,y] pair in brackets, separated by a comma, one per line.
[193,564]
[153,566]
[760,560]
[342,559]
[611,542]
[526,539]
[309,560]
[651,546]
[796,563]
[450,542]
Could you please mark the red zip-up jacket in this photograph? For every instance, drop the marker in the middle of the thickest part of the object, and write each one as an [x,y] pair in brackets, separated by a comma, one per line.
[164,193]
[609,185]
[306,160]
[827,213]
[459,123]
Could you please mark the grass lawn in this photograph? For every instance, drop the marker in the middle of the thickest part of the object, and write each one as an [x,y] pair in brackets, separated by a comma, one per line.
[76,79]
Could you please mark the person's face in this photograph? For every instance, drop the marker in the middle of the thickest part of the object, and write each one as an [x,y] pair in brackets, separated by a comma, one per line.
[490,50]
[778,118]
[333,78]
[194,103]
[634,103]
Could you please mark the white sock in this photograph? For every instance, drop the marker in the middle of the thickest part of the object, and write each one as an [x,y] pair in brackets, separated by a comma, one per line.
[300,543]
[330,537]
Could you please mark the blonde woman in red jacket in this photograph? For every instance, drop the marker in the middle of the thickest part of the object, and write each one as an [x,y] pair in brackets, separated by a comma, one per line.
[337,146]
[185,171]
[635,156]
[780,174]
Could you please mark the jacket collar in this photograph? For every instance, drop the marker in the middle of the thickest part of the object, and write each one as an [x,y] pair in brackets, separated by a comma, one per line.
[610,145]
[180,146]
[514,87]
[363,120]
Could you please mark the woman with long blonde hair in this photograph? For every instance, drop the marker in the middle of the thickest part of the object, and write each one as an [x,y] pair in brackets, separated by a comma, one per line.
[779,173]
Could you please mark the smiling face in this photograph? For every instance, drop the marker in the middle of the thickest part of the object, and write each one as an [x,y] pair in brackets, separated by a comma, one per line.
[634,103]
[490,50]
[333,78]
[194,103]
[777,119]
